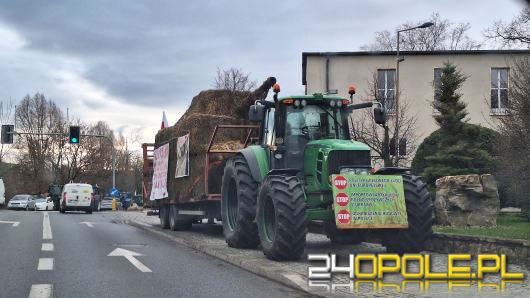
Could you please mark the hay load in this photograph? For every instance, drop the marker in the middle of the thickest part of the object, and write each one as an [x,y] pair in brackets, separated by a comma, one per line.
[208,109]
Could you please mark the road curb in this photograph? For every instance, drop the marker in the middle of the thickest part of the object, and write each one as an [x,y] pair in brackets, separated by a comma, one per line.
[287,278]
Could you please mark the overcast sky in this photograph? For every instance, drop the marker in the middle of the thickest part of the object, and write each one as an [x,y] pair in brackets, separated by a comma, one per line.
[125,62]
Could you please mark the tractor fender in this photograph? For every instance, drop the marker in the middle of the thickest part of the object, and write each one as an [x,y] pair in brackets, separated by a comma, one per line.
[251,157]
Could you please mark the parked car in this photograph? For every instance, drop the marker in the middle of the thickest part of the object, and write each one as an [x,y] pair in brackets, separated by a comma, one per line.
[2,193]
[77,197]
[21,202]
[105,204]
[44,204]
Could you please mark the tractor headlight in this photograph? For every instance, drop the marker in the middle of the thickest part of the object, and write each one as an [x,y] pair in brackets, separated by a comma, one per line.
[297,103]
[304,102]
[356,171]
[332,103]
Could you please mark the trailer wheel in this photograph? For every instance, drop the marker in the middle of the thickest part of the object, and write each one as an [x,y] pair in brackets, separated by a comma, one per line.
[163,213]
[238,204]
[178,222]
[342,236]
[420,218]
[281,218]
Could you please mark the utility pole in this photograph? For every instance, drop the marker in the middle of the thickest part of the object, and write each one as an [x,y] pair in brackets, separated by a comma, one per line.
[396,87]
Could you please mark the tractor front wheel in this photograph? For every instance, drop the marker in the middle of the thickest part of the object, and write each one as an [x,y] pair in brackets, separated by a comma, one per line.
[420,218]
[239,193]
[281,218]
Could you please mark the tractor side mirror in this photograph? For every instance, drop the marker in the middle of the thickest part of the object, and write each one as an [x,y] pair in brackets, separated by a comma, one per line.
[379,115]
[256,113]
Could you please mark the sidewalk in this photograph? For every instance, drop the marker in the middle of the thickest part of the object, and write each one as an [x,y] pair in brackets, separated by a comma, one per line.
[209,240]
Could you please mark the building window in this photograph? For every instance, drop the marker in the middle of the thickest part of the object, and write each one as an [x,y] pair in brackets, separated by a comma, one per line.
[385,88]
[437,82]
[499,90]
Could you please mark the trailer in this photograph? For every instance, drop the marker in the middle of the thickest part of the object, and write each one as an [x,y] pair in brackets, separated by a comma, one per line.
[179,214]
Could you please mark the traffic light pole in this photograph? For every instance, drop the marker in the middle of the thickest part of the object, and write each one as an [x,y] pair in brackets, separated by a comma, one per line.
[82,135]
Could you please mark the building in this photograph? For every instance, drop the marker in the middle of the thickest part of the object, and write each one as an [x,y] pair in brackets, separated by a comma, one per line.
[485,91]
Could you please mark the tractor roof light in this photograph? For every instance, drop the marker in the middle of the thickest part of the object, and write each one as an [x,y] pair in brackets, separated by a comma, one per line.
[332,103]
[339,103]
[297,103]
[345,102]
[288,101]
[304,102]
[351,90]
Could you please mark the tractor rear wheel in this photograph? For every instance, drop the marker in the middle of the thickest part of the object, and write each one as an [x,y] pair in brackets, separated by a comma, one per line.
[163,213]
[342,236]
[420,218]
[281,218]
[239,193]
[178,222]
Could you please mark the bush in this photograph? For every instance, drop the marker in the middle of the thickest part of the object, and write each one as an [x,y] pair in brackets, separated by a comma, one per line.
[473,154]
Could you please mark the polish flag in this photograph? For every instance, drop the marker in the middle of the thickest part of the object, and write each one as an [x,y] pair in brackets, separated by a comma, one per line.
[164,121]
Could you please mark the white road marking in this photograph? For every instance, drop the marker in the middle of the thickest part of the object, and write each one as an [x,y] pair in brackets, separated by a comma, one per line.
[46,228]
[47,247]
[45,264]
[88,224]
[130,256]
[13,223]
[41,291]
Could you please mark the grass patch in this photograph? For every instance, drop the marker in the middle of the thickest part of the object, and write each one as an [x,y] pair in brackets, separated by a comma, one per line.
[508,226]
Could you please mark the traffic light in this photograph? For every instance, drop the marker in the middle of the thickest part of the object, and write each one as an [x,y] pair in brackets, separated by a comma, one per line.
[75,132]
[7,134]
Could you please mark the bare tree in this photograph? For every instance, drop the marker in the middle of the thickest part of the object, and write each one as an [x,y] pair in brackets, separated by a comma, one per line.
[38,115]
[380,137]
[233,79]
[515,33]
[443,35]
[6,117]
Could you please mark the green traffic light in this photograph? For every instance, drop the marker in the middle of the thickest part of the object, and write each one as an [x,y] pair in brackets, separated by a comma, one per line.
[74,140]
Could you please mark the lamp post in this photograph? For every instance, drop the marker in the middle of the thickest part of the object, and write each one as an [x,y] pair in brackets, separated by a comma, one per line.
[396,87]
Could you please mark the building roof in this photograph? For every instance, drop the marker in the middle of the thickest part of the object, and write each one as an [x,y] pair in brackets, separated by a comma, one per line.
[408,53]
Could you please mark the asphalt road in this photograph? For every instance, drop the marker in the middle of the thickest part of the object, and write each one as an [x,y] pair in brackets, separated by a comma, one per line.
[74,262]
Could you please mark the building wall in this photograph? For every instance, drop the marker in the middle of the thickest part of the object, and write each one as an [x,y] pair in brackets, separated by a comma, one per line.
[416,81]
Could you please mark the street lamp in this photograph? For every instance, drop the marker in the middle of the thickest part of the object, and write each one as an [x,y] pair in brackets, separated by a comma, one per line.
[396,87]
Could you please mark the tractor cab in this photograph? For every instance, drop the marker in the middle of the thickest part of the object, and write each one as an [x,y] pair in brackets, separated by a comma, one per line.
[293,126]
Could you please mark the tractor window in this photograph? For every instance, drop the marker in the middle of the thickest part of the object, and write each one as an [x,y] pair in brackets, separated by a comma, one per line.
[314,123]
[269,128]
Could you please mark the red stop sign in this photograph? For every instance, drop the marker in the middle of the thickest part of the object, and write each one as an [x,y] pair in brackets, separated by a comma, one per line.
[343,216]
[340,182]
[342,199]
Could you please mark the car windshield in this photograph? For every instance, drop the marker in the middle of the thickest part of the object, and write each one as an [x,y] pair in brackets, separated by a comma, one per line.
[314,122]
[19,198]
[40,201]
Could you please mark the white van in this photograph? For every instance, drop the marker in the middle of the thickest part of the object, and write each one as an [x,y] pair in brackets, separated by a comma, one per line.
[2,193]
[77,197]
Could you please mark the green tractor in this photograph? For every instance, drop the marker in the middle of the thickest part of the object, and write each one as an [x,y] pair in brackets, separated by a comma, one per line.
[271,190]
